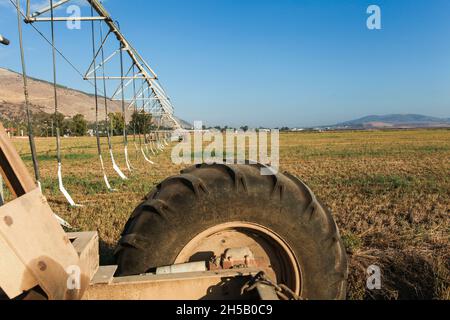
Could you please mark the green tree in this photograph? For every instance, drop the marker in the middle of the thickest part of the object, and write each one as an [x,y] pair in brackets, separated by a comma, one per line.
[64,125]
[244,128]
[141,121]
[78,125]
[42,124]
[116,123]
[59,119]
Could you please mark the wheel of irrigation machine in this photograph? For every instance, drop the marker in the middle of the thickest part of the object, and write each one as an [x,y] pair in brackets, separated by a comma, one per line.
[211,207]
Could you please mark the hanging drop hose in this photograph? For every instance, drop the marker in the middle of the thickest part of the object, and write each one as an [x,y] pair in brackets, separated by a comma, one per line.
[125,137]
[165,137]
[152,132]
[136,115]
[157,145]
[155,139]
[27,101]
[163,141]
[160,146]
[97,133]
[56,120]
[111,154]
[144,126]
[135,95]
[150,142]
[143,118]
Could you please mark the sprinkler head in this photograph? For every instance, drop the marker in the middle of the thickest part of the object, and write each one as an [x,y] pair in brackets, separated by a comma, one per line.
[3,40]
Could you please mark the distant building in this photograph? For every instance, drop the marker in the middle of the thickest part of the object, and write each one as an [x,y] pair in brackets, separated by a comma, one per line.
[11,131]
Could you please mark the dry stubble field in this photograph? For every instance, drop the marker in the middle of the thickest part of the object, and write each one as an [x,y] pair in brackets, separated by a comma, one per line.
[389,192]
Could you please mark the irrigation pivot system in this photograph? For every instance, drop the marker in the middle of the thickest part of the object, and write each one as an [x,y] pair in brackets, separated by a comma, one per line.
[158,99]
[214,231]
[151,97]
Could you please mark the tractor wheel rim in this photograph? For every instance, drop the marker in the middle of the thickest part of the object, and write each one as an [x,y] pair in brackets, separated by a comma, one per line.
[275,256]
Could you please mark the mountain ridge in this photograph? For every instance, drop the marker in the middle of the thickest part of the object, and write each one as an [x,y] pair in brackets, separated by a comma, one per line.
[408,120]
[70,101]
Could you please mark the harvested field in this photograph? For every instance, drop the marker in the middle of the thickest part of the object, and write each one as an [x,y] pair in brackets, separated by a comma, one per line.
[389,192]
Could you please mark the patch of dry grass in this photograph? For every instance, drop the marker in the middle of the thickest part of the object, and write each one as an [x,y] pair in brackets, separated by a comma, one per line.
[389,192]
[390,195]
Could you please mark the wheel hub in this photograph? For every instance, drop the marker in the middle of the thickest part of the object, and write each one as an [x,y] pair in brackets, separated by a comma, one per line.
[242,244]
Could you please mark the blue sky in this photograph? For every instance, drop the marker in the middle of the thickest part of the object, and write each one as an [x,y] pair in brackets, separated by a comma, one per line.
[270,63]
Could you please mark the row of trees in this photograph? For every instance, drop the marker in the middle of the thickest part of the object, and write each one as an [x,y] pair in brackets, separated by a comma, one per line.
[141,122]
[225,128]
[244,128]
[44,124]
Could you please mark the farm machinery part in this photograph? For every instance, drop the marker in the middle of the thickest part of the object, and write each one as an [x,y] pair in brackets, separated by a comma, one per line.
[221,231]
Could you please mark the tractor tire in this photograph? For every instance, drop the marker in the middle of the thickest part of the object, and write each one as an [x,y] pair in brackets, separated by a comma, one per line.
[208,195]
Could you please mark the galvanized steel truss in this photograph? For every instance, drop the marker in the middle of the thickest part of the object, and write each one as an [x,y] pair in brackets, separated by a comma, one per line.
[157,102]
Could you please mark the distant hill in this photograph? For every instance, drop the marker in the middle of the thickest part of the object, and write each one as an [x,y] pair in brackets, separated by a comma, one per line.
[395,121]
[184,124]
[70,101]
